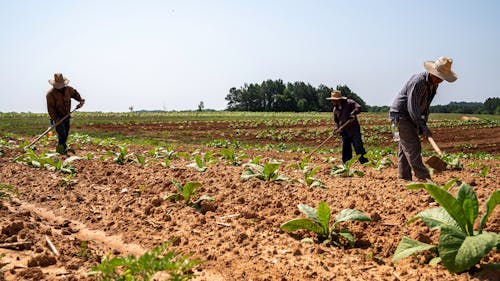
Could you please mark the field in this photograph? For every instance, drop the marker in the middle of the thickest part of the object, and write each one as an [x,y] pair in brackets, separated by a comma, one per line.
[111,200]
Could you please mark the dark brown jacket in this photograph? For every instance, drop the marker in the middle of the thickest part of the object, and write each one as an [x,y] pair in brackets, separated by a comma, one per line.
[59,103]
[342,113]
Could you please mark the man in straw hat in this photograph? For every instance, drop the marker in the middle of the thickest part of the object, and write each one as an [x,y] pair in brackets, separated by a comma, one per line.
[409,113]
[345,110]
[59,106]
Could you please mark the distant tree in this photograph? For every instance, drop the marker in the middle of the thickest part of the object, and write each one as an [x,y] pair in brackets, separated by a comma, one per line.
[346,92]
[276,96]
[324,92]
[131,108]
[201,106]
[492,106]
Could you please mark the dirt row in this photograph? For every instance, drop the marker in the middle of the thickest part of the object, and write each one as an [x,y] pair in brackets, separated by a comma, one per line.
[119,209]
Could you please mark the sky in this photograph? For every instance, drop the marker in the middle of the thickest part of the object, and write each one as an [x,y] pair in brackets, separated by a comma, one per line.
[172,55]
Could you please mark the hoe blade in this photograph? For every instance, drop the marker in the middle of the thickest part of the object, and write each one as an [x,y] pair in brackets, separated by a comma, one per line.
[436,163]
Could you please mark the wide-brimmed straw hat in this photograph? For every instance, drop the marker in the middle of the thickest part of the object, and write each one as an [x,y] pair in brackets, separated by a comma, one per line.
[336,95]
[59,81]
[441,68]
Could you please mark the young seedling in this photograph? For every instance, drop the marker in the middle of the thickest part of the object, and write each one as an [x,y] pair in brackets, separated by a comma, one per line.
[186,192]
[345,169]
[460,246]
[232,157]
[6,191]
[318,221]
[309,180]
[266,172]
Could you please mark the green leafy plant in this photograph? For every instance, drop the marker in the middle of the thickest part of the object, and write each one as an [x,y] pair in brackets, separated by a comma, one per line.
[122,156]
[460,246]
[6,190]
[146,266]
[452,161]
[377,160]
[49,161]
[484,171]
[318,221]
[266,172]
[345,170]
[186,192]
[84,251]
[309,179]
[232,157]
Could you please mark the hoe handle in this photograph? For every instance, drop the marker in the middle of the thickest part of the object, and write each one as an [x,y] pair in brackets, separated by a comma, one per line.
[49,128]
[435,146]
[327,139]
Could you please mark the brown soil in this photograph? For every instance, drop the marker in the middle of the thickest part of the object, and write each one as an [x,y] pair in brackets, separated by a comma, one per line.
[118,209]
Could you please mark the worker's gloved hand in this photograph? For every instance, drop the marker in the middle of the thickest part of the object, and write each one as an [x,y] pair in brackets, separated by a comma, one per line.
[82,102]
[352,116]
[426,132]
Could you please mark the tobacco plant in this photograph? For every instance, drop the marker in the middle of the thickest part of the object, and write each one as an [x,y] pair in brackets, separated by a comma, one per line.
[186,192]
[318,221]
[460,247]
[345,170]
[49,161]
[266,172]
[309,180]
[146,266]
[232,157]
[6,190]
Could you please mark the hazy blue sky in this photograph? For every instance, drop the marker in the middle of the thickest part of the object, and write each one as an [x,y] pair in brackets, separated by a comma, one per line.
[173,54]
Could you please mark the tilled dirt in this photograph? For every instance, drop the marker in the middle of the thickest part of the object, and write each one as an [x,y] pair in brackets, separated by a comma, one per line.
[119,209]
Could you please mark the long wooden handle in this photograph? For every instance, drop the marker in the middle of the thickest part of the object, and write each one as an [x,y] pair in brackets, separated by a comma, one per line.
[435,146]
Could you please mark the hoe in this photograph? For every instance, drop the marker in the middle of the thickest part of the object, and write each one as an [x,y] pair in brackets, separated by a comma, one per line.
[435,162]
[48,129]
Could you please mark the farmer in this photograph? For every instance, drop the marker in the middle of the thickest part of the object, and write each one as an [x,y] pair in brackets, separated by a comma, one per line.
[409,113]
[345,110]
[59,106]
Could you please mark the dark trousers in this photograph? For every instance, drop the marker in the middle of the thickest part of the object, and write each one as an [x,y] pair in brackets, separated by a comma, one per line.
[63,133]
[409,157]
[356,141]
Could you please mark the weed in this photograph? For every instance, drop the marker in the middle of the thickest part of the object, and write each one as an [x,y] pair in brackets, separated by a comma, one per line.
[146,266]
[6,190]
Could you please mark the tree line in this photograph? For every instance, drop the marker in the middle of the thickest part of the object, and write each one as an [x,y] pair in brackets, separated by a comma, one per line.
[276,96]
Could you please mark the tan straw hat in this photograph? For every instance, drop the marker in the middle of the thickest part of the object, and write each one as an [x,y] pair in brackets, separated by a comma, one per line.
[441,68]
[59,81]
[336,95]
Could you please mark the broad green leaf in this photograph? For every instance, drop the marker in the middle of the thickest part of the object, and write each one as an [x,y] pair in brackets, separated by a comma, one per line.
[174,197]
[346,235]
[270,170]
[434,218]
[248,174]
[446,200]
[71,159]
[310,212]
[408,247]
[475,248]
[460,252]
[435,261]
[351,215]
[324,216]
[189,190]
[450,183]
[490,206]
[467,198]
[297,224]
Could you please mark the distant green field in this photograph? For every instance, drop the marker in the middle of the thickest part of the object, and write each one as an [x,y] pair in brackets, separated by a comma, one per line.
[29,124]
